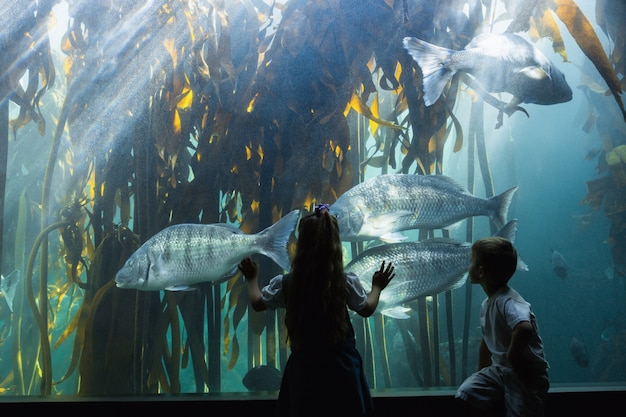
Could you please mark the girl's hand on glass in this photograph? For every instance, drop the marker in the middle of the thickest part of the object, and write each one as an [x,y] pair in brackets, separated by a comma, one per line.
[383,276]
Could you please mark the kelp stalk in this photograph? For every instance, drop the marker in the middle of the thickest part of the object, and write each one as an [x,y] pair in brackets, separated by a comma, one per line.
[40,318]
[4,148]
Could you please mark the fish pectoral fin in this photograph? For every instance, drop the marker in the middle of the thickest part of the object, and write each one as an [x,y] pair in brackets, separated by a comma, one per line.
[534,72]
[396,312]
[231,273]
[179,288]
[158,266]
[393,237]
[382,221]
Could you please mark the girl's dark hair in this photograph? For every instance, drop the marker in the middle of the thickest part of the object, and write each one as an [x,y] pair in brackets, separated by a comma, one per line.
[316,294]
[497,256]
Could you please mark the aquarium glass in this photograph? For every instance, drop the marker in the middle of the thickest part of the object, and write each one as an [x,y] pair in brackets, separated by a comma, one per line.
[122,119]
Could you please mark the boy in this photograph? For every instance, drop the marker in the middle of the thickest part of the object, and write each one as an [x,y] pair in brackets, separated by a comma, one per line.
[513,371]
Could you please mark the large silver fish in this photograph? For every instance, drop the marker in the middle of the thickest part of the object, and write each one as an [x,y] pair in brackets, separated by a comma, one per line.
[499,63]
[387,204]
[186,254]
[422,268]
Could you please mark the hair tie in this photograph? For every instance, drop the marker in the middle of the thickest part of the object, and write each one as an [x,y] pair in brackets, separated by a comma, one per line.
[319,208]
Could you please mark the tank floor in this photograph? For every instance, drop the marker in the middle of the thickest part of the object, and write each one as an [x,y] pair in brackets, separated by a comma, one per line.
[561,402]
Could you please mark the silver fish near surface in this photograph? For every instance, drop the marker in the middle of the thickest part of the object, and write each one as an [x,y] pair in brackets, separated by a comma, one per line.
[186,254]
[387,204]
[8,285]
[422,268]
[498,62]
[559,265]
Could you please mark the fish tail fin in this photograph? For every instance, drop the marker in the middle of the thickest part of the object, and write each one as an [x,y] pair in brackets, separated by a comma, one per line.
[8,285]
[431,59]
[508,232]
[503,201]
[276,239]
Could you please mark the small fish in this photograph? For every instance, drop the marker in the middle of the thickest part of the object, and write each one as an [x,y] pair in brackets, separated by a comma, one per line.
[499,63]
[608,333]
[186,254]
[262,378]
[422,268]
[8,286]
[386,204]
[579,352]
[559,265]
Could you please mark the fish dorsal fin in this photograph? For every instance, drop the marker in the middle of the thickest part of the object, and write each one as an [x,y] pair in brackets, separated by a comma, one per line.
[229,227]
[449,180]
[8,285]
[396,312]
[534,72]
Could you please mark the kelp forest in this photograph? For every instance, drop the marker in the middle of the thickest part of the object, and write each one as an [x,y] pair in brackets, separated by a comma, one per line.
[144,114]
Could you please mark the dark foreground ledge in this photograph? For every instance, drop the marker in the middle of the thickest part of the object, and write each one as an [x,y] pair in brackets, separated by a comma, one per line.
[562,401]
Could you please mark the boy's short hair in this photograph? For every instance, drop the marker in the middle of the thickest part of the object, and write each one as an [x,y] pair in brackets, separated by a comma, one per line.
[497,256]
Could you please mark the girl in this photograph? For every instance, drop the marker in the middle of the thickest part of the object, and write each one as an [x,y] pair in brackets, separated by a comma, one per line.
[324,374]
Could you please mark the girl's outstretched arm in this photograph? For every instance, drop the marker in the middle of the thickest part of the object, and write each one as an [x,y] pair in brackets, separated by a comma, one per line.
[250,271]
[379,281]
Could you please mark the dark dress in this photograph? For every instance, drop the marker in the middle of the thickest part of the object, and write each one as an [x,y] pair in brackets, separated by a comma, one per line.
[325,380]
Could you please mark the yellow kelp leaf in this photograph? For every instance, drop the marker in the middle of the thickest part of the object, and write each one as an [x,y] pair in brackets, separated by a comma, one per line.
[186,97]
[176,126]
[357,104]
[226,338]
[250,108]
[397,75]
[67,66]
[374,108]
[586,38]
[419,162]
[66,44]
[547,27]
[68,330]
[170,47]
[402,103]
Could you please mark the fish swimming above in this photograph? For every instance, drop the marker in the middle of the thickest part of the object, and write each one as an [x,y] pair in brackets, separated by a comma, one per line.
[186,254]
[498,63]
[384,205]
[559,265]
[8,285]
[423,268]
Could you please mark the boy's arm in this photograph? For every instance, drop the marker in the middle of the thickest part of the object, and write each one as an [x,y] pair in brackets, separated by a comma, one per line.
[519,341]
[484,355]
